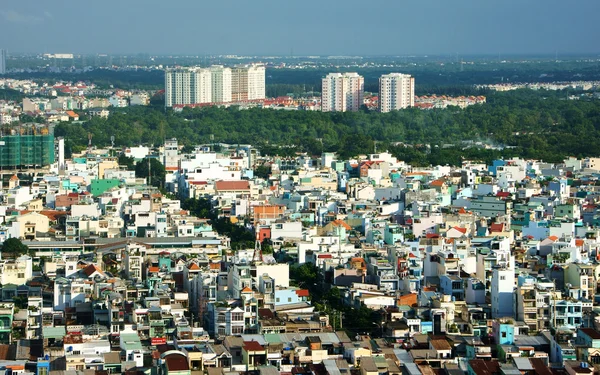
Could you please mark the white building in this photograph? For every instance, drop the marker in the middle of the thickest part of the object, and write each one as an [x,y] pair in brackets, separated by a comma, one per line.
[187,86]
[342,92]
[396,91]
[502,291]
[220,84]
[248,82]
[118,101]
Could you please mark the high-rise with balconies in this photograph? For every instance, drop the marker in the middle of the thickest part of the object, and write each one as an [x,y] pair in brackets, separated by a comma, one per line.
[342,92]
[396,91]
[185,86]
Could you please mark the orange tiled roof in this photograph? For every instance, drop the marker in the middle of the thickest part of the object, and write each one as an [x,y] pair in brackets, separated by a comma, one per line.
[341,223]
[232,185]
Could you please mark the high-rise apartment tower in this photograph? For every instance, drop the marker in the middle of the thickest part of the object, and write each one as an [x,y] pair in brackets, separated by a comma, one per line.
[342,92]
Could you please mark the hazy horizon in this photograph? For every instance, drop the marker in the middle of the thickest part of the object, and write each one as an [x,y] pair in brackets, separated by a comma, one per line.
[323,28]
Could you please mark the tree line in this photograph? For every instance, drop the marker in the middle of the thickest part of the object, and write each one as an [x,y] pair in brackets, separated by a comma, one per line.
[537,124]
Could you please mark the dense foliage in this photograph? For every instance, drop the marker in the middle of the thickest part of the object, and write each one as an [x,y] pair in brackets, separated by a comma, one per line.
[240,237]
[13,248]
[151,169]
[330,301]
[539,124]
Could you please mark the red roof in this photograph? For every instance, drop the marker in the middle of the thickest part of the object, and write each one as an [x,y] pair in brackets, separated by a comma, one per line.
[198,183]
[193,266]
[89,270]
[253,346]
[302,293]
[461,230]
[177,362]
[497,227]
[232,185]
[503,194]
[153,269]
[432,235]
[325,256]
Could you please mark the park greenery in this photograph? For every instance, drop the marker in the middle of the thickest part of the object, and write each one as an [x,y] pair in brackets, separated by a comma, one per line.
[534,124]
[13,248]
[240,237]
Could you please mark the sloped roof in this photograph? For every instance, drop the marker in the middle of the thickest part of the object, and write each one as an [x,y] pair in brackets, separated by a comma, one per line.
[341,223]
[91,269]
[232,185]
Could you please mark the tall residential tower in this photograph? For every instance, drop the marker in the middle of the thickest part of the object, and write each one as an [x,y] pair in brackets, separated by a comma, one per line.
[342,92]
[221,84]
[247,82]
[187,86]
[396,91]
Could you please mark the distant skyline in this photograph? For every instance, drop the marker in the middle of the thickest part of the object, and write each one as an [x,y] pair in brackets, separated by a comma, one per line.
[309,27]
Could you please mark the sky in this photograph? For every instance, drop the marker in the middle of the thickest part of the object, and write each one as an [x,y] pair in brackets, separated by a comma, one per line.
[304,27]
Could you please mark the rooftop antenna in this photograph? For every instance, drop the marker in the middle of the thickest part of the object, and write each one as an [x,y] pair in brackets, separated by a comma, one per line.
[112,141]
[89,142]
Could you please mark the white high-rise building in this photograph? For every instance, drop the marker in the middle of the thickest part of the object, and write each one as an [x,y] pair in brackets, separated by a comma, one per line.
[502,292]
[248,82]
[2,61]
[396,91]
[342,92]
[221,84]
[187,86]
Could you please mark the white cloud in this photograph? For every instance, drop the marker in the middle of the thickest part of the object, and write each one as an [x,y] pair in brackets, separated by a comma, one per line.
[48,15]
[19,18]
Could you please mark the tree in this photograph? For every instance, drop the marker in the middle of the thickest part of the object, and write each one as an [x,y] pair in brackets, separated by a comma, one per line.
[14,248]
[127,161]
[262,171]
[157,171]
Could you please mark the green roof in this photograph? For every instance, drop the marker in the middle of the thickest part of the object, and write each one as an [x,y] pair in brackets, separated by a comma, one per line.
[272,338]
[130,341]
[54,332]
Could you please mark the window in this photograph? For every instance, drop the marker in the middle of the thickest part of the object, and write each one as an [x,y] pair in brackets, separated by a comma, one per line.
[277,299]
[237,330]
[237,316]
[503,334]
[502,278]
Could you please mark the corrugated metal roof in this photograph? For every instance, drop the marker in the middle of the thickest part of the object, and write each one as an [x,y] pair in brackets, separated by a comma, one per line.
[54,332]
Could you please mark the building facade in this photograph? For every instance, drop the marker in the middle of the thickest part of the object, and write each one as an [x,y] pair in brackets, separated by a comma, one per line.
[396,91]
[220,84]
[187,86]
[342,92]
[247,82]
